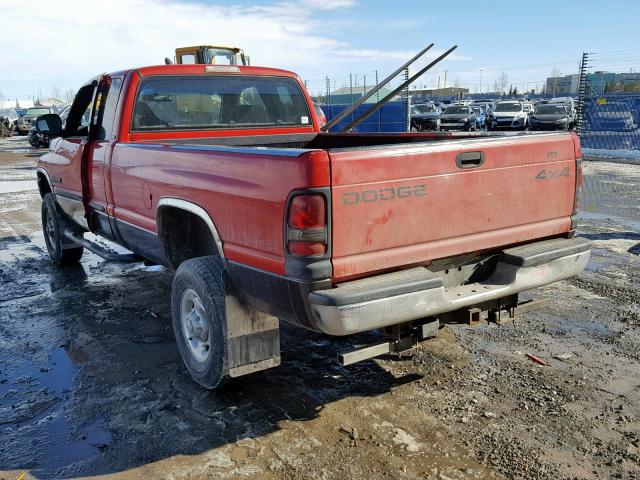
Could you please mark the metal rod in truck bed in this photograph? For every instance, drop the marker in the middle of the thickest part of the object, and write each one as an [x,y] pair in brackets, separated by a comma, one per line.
[379,105]
[367,95]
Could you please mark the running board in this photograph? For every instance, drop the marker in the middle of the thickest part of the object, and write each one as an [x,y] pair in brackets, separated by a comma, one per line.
[100,250]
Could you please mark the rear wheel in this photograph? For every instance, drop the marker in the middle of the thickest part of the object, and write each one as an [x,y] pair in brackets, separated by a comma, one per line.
[59,250]
[199,322]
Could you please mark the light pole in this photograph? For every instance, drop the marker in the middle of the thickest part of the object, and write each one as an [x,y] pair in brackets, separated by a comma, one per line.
[480,81]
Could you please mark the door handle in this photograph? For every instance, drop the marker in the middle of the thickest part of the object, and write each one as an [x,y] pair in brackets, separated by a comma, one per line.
[469,159]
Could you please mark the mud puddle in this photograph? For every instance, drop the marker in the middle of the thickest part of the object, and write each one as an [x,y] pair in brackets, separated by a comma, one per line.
[34,393]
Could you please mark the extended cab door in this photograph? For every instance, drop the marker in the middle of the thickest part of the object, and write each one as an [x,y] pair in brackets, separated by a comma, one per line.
[64,160]
[101,141]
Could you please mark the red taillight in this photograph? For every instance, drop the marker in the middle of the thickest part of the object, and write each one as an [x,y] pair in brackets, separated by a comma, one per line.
[307,211]
[307,226]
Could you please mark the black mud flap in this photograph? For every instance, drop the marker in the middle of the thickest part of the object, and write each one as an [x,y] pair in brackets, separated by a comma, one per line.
[253,337]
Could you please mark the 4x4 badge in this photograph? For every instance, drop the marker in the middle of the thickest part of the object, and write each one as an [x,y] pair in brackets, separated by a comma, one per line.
[549,174]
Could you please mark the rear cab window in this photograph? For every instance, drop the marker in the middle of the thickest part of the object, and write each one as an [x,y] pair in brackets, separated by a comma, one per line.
[208,102]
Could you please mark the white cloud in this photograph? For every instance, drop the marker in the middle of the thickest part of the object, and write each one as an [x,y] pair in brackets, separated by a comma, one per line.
[46,46]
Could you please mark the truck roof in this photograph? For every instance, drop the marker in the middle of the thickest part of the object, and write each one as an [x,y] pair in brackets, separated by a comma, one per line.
[202,69]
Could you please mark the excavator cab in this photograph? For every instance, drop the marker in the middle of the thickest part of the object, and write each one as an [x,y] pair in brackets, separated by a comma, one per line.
[209,54]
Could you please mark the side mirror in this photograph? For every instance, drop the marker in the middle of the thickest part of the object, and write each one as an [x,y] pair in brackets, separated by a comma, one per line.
[49,124]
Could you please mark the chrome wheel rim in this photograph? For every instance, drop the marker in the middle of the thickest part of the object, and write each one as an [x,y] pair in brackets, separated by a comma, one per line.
[195,325]
[50,228]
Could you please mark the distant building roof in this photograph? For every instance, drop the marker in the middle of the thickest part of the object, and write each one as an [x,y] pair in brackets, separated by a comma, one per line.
[51,102]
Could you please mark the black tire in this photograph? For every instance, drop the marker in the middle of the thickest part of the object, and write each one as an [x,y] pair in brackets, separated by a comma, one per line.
[205,353]
[61,252]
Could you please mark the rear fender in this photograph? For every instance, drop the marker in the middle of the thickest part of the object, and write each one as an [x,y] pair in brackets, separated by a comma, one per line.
[199,212]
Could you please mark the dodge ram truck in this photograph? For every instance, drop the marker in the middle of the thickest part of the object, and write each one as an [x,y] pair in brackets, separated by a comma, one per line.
[223,174]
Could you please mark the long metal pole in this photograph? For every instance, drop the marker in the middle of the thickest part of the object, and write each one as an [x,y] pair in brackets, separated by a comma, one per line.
[347,111]
[398,89]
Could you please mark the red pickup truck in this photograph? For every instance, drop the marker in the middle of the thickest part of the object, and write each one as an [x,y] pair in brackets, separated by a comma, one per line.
[223,174]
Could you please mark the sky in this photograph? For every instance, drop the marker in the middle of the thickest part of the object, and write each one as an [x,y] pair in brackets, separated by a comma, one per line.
[55,45]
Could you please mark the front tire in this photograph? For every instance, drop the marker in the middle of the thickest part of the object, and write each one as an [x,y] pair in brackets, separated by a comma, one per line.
[199,321]
[60,252]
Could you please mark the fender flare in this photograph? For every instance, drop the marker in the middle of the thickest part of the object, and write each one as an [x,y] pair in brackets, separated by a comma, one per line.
[45,174]
[198,211]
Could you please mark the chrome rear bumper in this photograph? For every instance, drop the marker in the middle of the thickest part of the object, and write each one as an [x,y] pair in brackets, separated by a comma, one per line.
[400,297]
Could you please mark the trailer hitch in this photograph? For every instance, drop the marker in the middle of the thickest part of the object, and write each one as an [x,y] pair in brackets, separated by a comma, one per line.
[403,339]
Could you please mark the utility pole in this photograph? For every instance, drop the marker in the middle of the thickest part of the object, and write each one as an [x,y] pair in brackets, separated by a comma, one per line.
[445,80]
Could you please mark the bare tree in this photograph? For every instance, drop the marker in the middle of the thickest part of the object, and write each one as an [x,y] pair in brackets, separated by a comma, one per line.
[496,87]
[456,82]
[502,82]
[70,95]
[56,93]
[555,74]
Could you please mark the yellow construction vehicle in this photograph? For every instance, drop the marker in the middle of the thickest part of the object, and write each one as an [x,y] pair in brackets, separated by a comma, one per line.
[210,54]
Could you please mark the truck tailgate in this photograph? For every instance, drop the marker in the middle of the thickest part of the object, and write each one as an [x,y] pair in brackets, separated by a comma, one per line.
[404,205]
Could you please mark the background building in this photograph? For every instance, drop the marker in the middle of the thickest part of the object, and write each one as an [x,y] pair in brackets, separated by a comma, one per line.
[564,85]
[608,82]
[597,83]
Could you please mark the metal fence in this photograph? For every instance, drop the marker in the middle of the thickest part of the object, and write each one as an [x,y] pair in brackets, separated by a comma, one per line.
[609,102]
[611,122]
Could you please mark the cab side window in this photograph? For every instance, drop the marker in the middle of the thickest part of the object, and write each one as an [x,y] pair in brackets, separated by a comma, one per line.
[79,115]
[105,108]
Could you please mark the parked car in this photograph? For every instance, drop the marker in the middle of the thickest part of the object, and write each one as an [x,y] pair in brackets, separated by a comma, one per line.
[458,117]
[265,217]
[508,114]
[481,117]
[564,100]
[551,116]
[37,139]
[26,121]
[612,116]
[425,116]
[487,105]
[10,116]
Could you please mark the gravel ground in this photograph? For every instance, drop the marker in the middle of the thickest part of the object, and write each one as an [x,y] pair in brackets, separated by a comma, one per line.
[91,383]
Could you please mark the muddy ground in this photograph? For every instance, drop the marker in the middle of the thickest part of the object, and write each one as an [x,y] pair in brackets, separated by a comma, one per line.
[91,383]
